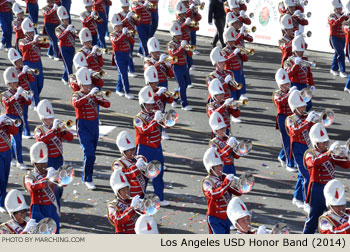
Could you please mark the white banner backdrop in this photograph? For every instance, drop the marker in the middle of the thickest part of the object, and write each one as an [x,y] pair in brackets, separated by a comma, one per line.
[266,19]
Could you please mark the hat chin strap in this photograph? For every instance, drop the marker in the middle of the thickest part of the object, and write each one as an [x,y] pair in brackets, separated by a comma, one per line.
[335,212]
[144,107]
[212,170]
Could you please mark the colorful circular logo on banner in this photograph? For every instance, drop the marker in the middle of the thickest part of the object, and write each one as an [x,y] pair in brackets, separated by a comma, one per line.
[264,16]
[171,7]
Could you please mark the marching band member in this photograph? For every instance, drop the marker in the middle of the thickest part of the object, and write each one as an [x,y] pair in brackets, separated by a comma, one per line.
[17,209]
[100,7]
[217,190]
[130,164]
[25,76]
[217,12]
[159,61]
[30,47]
[129,21]
[19,14]
[238,10]
[196,17]
[7,128]
[13,100]
[223,143]
[346,29]
[186,28]
[234,59]
[298,71]
[90,19]
[143,10]
[146,224]
[226,107]
[336,220]
[52,134]
[148,137]
[337,38]
[93,54]
[121,41]
[5,23]
[176,47]
[285,43]
[42,191]
[320,164]
[291,8]
[160,96]
[121,211]
[280,100]
[239,216]
[65,33]
[51,21]
[85,103]
[298,126]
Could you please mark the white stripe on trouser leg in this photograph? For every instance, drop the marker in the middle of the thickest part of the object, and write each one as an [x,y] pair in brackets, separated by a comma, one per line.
[116,63]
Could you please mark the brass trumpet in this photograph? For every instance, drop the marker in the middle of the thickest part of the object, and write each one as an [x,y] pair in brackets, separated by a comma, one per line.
[103,50]
[248,51]
[75,31]
[253,29]
[151,6]
[98,74]
[26,94]
[136,17]
[102,94]
[194,24]
[171,59]
[9,121]
[238,103]
[72,76]
[132,32]
[235,84]
[307,63]
[35,71]
[97,18]
[190,47]
[174,95]
[43,39]
[201,6]
[66,124]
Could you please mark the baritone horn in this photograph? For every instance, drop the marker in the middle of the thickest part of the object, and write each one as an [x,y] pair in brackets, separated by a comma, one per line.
[168,119]
[306,93]
[44,226]
[279,228]
[326,117]
[26,94]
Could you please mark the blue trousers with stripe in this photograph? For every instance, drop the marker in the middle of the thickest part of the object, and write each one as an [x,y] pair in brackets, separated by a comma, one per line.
[5,164]
[67,57]
[37,85]
[53,48]
[154,154]
[88,132]
[102,30]
[16,141]
[183,78]
[218,226]
[338,62]
[33,10]
[6,27]
[143,31]
[122,62]
[154,24]
[303,174]
[285,139]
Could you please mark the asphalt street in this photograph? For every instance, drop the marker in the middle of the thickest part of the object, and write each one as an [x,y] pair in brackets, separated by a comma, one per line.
[84,211]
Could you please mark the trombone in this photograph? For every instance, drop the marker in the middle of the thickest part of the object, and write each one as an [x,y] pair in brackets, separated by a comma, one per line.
[170,59]
[175,95]
[9,121]
[248,51]
[102,94]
